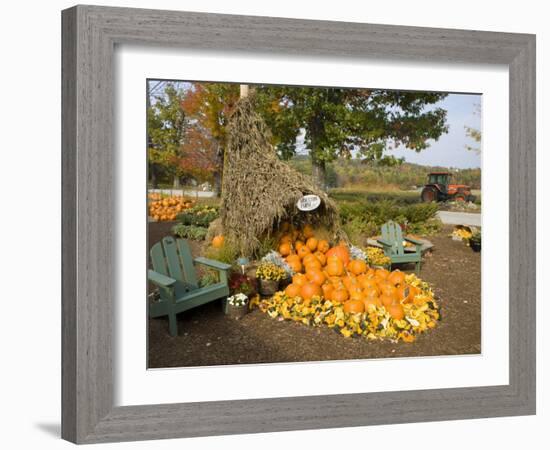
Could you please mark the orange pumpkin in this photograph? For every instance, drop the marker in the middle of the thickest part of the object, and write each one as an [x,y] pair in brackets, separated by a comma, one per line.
[292,290]
[218,240]
[396,277]
[285,226]
[357,266]
[356,294]
[316,276]
[293,258]
[313,265]
[367,283]
[386,300]
[303,251]
[296,266]
[335,268]
[312,243]
[341,252]
[375,301]
[323,246]
[321,257]
[299,279]
[308,258]
[372,292]
[350,280]
[354,306]
[328,290]
[308,231]
[413,292]
[309,290]
[340,295]
[286,239]
[388,289]
[285,249]
[381,274]
[396,311]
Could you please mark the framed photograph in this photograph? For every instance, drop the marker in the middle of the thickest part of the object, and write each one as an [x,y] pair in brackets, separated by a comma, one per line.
[277,224]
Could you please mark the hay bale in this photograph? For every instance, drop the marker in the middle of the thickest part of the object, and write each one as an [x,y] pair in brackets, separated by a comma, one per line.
[259,190]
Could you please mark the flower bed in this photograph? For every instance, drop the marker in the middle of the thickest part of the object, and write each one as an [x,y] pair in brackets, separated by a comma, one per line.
[421,313]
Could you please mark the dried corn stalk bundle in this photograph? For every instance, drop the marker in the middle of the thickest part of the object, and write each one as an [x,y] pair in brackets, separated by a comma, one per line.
[259,191]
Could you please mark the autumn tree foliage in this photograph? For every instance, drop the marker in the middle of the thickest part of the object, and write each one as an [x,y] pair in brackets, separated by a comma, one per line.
[199,154]
[210,105]
[182,134]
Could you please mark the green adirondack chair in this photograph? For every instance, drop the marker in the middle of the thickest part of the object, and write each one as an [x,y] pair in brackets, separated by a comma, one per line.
[392,242]
[174,274]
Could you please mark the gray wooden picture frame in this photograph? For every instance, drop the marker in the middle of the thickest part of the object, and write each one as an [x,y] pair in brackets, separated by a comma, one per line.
[90,34]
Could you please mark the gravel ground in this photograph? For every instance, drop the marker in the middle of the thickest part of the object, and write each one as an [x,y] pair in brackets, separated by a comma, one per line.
[207,337]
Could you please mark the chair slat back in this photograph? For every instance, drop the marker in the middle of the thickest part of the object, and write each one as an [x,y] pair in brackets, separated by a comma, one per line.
[391,232]
[157,259]
[172,258]
[187,263]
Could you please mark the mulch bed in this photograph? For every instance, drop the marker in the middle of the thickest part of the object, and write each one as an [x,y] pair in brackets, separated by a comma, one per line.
[207,337]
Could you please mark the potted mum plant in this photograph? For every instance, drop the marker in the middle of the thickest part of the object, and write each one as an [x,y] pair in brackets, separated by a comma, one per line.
[237,305]
[475,241]
[269,275]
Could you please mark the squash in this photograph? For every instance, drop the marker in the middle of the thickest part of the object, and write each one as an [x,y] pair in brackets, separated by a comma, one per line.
[315,276]
[335,268]
[341,252]
[396,311]
[340,295]
[218,241]
[293,290]
[396,277]
[354,306]
[323,246]
[285,249]
[299,279]
[357,266]
[309,290]
[312,243]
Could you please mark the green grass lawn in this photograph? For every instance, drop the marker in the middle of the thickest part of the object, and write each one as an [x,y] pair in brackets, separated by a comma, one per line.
[354,195]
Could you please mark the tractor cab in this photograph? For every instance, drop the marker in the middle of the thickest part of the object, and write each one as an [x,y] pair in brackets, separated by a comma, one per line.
[440,179]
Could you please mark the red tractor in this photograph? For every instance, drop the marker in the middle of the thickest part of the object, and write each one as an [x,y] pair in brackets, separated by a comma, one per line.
[440,189]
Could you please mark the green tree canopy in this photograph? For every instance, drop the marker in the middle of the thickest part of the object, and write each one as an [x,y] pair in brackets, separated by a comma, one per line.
[341,122]
[166,128]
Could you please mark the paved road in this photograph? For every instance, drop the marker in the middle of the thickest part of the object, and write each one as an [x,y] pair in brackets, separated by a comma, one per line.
[460,218]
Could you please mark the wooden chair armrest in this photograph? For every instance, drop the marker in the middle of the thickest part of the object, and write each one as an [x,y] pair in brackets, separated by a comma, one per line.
[384,242]
[412,240]
[212,263]
[160,279]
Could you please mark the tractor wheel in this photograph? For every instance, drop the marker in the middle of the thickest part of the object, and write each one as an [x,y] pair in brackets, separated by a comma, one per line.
[429,194]
[459,198]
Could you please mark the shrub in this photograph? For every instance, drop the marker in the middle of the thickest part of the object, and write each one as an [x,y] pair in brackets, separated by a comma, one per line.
[210,276]
[228,253]
[364,218]
[189,232]
[200,216]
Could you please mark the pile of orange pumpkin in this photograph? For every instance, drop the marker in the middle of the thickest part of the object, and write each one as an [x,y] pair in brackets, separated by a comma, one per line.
[330,273]
[165,208]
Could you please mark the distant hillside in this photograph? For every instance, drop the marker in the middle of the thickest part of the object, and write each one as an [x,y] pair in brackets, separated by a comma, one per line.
[355,173]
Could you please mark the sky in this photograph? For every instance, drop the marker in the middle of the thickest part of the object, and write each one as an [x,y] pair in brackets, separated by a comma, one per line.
[450,150]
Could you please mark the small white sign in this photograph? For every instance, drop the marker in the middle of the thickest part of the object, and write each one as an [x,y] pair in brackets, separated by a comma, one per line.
[308,202]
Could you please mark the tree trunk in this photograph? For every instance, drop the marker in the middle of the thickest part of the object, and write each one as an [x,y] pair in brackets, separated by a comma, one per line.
[319,173]
[153,173]
[176,182]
